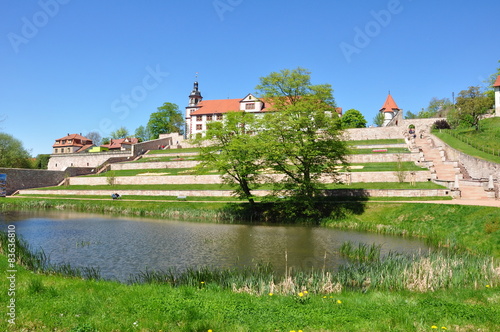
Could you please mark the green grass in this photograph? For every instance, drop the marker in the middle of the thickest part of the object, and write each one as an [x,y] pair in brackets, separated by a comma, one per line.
[386,167]
[55,303]
[370,151]
[483,144]
[377,142]
[174,151]
[165,159]
[158,172]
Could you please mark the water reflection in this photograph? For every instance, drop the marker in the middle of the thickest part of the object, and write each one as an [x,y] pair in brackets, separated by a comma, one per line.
[122,247]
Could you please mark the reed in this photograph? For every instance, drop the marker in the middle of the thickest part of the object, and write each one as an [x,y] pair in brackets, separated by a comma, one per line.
[394,272]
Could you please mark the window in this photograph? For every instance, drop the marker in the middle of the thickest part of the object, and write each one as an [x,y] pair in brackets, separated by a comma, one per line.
[209,117]
[199,118]
[55,151]
[219,117]
[250,106]
[199,127]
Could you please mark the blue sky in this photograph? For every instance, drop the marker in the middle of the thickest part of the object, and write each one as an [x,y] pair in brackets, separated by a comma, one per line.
[74,66]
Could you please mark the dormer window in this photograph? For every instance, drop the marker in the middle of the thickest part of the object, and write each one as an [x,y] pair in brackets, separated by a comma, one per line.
[250,106]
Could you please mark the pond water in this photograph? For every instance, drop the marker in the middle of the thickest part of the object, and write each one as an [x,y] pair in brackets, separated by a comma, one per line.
[122,247]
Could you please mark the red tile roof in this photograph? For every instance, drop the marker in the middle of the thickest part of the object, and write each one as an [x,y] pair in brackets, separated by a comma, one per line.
[76,140]
[117,143]
[217,106]
[497,82]
[389,105]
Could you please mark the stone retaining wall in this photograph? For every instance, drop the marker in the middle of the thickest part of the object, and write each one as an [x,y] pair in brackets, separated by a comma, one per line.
[155,165]
[477,168]
[19,178]
[61,162]
[228,193]
[420,176]
[382,157]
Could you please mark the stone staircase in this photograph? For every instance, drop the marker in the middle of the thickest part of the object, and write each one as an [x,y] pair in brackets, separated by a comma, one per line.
[450,171]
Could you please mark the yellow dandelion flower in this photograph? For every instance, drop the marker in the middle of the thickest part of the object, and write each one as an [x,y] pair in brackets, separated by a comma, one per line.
[209,331]
[270,294]
[339,302]
[301,294]
[301,331]
[305,292]
[487,286]
[434,327]
[202,282]
[324,297]
[444,328]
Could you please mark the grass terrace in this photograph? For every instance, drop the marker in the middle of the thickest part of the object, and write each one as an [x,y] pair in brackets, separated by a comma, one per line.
[173,151]
[376,142]
[156,172]
[378,151]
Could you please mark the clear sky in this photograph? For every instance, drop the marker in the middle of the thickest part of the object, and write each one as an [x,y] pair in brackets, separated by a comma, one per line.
[74,66]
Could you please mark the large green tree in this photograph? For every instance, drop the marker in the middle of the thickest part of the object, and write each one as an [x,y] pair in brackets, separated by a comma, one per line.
[471,104]
[167,119]
[378,120]
[143,134]
[353,119]
[121,132]
[302,136]
[234,150]
[12,153]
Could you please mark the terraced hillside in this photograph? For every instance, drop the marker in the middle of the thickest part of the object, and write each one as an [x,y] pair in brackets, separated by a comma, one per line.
[378,168]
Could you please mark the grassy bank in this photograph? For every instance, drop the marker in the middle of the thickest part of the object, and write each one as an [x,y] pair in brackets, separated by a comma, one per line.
[54,303]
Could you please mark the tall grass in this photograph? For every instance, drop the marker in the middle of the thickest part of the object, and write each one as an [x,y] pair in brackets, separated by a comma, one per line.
[367,271]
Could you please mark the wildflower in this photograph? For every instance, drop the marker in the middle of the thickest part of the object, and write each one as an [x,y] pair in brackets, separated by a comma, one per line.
[135,323]
[339,302]
[487,286]
[324,297]
[434,327]
[270,294]
[202,282]
[305,292]
[301,294]
[209,331]
[444,328]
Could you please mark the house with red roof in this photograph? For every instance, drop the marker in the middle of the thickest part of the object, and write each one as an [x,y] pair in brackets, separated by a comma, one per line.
[496,86]
[200,112]
[121,144]
[390,110]
[73,143]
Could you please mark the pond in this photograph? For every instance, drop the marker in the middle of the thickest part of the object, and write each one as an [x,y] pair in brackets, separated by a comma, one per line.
[122,247]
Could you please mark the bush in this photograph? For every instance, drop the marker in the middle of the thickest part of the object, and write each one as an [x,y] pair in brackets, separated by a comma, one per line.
[441,124]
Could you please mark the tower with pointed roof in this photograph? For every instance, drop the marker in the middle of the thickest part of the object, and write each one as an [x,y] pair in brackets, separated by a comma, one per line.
[390,109]
[496,86]
[194,99]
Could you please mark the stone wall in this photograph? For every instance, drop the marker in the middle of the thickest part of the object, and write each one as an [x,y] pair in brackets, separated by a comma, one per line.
[477,168]
[61,162]
[228,193]
[421,176]
[18,178]
[155,144]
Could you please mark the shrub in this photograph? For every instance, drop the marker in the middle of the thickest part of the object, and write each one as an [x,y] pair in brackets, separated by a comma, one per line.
[441,124]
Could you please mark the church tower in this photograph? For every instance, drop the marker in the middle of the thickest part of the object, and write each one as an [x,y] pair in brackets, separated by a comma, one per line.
[194,99]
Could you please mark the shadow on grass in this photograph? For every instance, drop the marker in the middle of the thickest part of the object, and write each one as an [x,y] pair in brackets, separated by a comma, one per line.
[301,210]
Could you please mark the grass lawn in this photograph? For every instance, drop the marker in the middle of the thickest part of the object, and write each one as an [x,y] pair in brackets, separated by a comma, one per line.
[377,142]
[156,171]
[173,151]
[386,167]
[165,159]
[371,151]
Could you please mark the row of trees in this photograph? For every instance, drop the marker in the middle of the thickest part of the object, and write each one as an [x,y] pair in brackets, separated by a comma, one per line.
[300,138]
[470,105]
